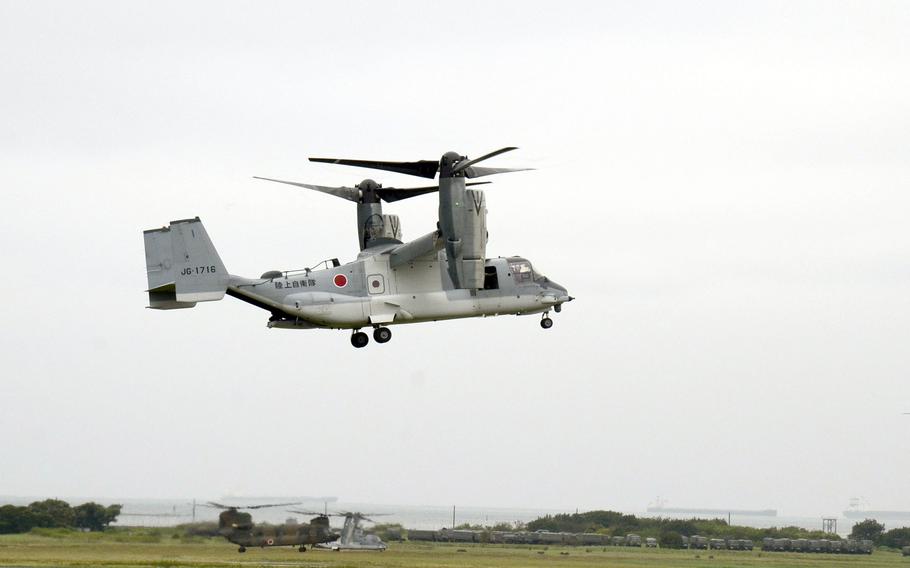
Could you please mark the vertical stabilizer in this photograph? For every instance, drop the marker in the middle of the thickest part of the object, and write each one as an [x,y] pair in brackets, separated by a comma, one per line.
[183,266]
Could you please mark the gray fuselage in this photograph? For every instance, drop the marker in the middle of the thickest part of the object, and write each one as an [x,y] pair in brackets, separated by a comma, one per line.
[368,292]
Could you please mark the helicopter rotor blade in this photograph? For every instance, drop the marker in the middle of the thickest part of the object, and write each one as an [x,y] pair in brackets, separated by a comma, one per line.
[269,505]
[420,168]
[477,171]
[391,194]
[467,164]
[214,505]
[349,193]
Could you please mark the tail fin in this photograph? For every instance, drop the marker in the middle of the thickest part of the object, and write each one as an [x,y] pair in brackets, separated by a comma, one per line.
[183,266]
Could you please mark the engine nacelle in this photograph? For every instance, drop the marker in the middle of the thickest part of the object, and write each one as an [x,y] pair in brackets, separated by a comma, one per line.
[474,239]
[384,227]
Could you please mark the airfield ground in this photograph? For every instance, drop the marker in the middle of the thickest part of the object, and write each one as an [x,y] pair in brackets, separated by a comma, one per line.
[157,547]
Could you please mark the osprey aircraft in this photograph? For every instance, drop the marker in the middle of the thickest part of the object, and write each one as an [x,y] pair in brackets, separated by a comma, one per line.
[352,536]
[442,275]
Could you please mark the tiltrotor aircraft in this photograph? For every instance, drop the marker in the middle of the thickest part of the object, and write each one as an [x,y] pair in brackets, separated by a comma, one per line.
[239,529]
[442,275]
[352,535]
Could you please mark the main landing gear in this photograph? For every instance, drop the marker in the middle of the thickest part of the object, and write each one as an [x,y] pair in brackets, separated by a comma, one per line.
[359,339]
[301,549]
[546,322]
[241,549]
[380,335]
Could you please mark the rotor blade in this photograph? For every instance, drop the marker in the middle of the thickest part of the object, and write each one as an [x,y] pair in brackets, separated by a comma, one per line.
[477,171]
[316,513]
[464,165]
[420,168]
[349,193]
[390,194]
[216,505]
[270,505]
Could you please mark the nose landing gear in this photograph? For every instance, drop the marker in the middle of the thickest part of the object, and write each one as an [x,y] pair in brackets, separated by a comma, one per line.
[546,322]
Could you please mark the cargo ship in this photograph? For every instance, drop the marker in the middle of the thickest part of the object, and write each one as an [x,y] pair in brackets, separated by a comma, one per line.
[856,511]
[721,512]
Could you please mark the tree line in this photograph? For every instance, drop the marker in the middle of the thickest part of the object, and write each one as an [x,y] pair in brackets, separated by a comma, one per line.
[54,513]
[875,531]
[672,530]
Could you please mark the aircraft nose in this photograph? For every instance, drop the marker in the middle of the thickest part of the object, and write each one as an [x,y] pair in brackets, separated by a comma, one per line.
[558,287]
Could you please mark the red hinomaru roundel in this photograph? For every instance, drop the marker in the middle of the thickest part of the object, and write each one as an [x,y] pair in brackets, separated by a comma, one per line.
[340,280]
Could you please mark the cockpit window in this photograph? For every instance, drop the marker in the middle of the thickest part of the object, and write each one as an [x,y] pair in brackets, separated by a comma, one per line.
[521,271]
[524,273]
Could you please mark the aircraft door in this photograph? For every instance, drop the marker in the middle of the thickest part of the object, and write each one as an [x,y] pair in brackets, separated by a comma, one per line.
[489,299]
[376,284]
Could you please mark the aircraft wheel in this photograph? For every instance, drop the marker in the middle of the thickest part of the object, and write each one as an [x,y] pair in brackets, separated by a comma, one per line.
[382,334]
[301,549]
[546,323]
[241,549]
[360,339]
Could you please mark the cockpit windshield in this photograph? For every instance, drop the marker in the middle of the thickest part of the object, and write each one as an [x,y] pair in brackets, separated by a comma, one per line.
[523,272]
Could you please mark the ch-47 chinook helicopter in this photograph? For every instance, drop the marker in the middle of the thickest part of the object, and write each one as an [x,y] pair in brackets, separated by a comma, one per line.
[442,275]
[239,529]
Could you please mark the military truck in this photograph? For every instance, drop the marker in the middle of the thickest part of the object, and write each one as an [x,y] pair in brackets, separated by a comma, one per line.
[717,544]
[618,541]
[799,545]
[698,542]
[592,539]
[767,543]
[849,546]
[633,540]
[747,544]
[865,546]
[781,545]
[650,542]
[421,534]
[685,542]
[547,537]
[835,546]
[905,551]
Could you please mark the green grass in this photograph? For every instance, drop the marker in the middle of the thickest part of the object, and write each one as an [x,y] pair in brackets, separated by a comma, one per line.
[159,547]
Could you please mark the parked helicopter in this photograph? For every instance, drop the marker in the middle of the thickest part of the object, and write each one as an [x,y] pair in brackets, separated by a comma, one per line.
[352,535]
[442,275]
[239,529]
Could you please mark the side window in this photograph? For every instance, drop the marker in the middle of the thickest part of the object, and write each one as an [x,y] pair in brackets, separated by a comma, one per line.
[376,284]
[490,278]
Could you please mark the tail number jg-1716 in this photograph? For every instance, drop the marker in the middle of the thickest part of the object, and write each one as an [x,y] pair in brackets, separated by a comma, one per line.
[194,270]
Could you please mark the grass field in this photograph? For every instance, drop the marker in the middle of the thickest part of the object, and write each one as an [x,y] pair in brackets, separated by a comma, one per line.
[163,548]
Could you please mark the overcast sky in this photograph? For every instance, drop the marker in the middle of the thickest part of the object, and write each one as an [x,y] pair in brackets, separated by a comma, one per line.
[724,187]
